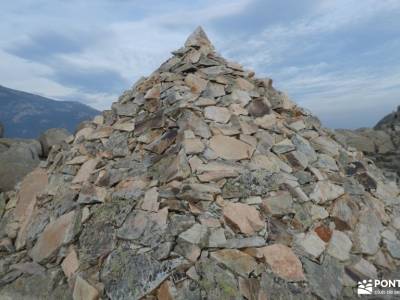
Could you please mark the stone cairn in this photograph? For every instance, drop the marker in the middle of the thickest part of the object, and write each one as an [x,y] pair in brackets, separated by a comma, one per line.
[202,182]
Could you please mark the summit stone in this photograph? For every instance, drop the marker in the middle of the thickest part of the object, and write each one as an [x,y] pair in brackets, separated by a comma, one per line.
[202,181]
[199,39]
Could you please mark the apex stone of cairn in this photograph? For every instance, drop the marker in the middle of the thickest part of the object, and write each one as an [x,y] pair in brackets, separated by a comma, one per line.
[199,39]
[201,182]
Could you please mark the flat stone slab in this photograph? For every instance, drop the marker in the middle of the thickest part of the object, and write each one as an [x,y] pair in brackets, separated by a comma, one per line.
[129,276]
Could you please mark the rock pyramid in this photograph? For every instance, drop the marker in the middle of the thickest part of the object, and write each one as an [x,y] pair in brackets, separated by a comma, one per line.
[202,182]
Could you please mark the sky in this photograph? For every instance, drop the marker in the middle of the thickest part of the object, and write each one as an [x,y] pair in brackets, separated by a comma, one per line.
[338,58]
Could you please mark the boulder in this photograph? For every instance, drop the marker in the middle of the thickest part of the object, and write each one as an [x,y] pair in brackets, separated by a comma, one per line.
[18,157]
[51,137]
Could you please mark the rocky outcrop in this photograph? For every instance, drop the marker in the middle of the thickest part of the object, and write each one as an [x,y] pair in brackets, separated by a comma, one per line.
[1,130]
[381,144]
[391,122]
[202,182]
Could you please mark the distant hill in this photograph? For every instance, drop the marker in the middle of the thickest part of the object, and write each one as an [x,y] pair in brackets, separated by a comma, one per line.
[26,115]
[390,121]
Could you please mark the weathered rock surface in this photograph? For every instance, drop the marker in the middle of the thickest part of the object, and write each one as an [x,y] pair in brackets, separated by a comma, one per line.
[283,262]
[51,137]
[17,158]
[201,182]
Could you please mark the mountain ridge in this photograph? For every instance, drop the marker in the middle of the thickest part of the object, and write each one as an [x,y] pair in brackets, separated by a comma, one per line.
[27,115]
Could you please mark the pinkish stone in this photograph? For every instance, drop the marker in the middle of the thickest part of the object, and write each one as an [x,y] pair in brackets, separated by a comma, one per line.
[84,291]
[283,262]
[53,237]
[85,171]
[243,217]
[70,264]
[33,185]
[230,148]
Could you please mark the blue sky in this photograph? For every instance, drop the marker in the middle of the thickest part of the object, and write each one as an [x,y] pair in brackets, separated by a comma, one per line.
[338,58]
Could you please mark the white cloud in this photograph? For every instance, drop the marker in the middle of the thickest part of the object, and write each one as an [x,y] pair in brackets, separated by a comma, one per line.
[131,48]
[30,76]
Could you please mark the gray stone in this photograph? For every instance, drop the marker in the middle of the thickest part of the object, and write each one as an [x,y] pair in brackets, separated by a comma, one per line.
[326,280]
[284,146]
[362,269]
[36,287]
[326,163]
[117,144]
[392,243]
[297,160]
[214,90]
[297,125]
[143,227]
[345,212]
[303,146]
[94,245]
[177,167]
[197,234]
[188,250]
[217,283]
[278,204]
[266,122]
[310,243]
[51,137]
[180,223]
[237,261]
[127,275]
[217,238]
[125,109]
[163,142]
[249,242]
[91,194]
[217,114]
[366,236]
[280,100]
[259,107]
[17,159]
[318,212]
[326,145]
[257,183]
[339,245]
[198,39]
[190,121]
[183,290]
[273,288]
[197,192]
[325,191]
